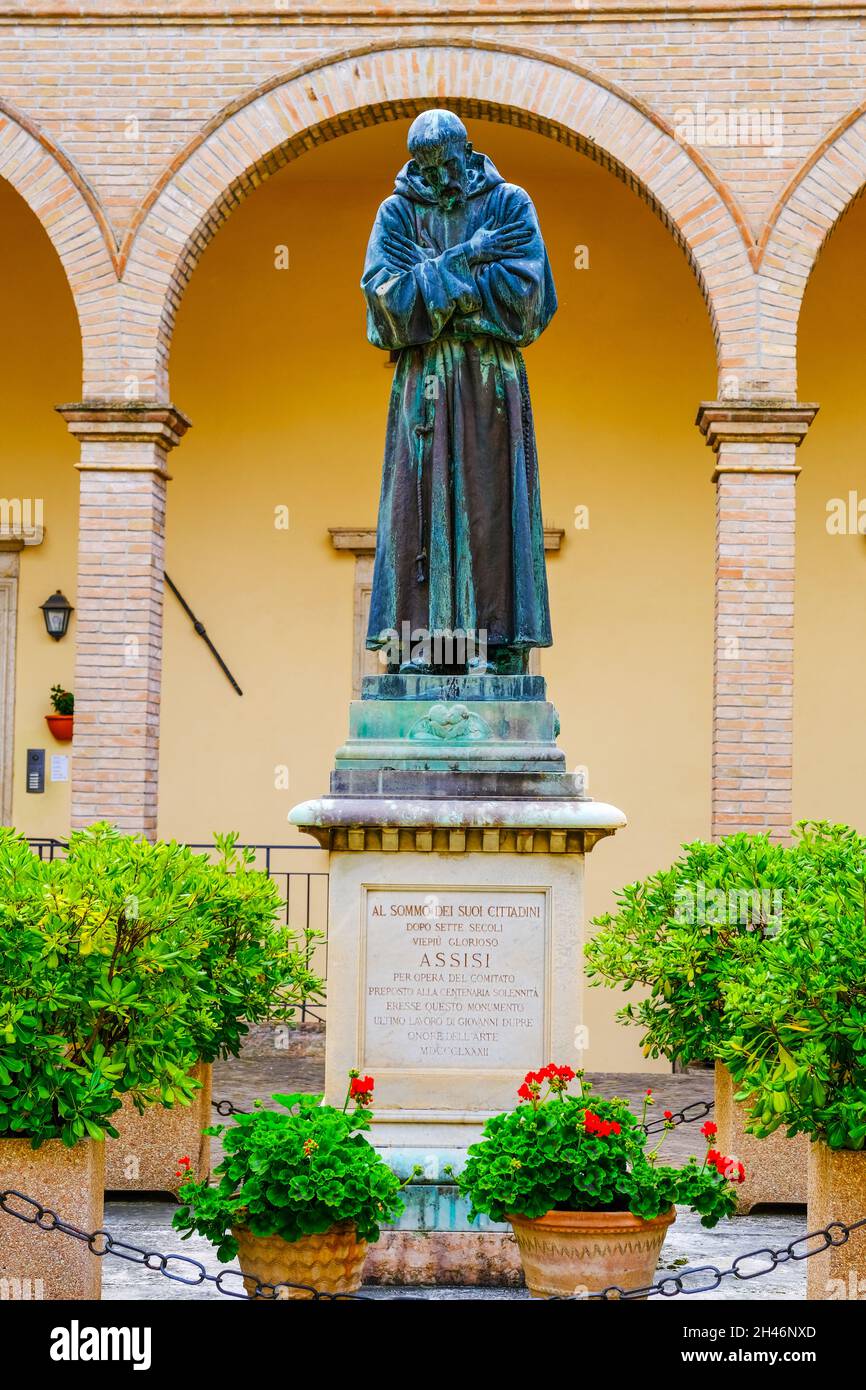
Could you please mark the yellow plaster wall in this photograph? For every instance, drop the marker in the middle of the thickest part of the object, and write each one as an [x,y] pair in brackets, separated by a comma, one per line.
[40,366]
[830,622]
[288,405]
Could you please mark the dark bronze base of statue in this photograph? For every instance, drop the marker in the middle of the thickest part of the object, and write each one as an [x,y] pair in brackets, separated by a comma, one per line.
[497,661]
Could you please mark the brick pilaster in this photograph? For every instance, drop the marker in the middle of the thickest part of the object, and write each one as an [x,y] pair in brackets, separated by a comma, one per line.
[118,664]
[753,667]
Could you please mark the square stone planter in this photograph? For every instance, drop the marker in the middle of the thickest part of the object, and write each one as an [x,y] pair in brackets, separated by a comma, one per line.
[144,1158]
[776,1167]
[837,1192]
[37,1264]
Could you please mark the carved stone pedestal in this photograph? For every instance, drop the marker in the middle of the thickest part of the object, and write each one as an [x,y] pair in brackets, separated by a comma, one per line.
[457,844]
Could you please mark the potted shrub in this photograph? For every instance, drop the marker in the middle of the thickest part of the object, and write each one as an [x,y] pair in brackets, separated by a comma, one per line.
[797,1045]
[243,968]
[61,721]
[90,1007]
[680,935]
[301,1192]
[590,1207]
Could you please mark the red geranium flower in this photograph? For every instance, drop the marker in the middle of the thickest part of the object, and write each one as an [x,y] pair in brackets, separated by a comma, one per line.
[594,1124]
[669,1114]
[559,1077]
[709,1130]
[361,1089]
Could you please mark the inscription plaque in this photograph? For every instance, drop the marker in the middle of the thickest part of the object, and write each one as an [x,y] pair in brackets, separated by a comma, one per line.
[455,979]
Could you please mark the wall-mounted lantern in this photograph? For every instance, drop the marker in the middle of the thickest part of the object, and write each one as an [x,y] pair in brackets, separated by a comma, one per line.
[55,611]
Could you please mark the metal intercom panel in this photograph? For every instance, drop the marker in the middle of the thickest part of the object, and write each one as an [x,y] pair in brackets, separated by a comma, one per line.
[36,769]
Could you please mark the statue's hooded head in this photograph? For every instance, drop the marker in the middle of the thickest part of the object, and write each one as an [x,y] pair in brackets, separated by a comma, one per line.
[439,144]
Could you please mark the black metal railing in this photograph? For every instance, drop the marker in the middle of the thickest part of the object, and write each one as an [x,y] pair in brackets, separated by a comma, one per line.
[47,848]
[303,892]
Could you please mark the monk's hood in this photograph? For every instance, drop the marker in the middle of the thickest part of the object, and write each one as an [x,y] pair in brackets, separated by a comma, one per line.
[483,175]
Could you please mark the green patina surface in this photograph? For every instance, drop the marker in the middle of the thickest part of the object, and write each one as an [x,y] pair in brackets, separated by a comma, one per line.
[454,724]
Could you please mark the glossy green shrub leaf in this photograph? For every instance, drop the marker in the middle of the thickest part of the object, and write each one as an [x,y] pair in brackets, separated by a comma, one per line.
[123,965]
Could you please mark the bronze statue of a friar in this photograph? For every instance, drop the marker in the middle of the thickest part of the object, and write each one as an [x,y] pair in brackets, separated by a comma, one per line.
[457,281]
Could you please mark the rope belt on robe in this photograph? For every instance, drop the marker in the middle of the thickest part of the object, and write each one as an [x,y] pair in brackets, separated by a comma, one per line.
[421,431]
[525,414]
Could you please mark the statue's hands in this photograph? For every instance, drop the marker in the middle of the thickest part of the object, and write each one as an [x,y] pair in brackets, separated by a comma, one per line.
[492,243]
[403,252]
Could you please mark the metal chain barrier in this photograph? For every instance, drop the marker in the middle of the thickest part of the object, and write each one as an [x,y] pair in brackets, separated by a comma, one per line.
[697,1110]
[712,1276]
[185,1269]
[102,1243]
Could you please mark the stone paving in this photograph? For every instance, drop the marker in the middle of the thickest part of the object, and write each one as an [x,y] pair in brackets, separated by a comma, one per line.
[266,1067]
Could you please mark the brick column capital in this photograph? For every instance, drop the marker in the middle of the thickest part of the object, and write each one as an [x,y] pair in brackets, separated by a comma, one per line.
[755,423]
[112,423]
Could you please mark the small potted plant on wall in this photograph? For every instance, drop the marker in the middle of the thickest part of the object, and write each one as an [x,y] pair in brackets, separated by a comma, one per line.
[61,721]
[590,1207]
[797,1045]
[679,936]
[301,1193]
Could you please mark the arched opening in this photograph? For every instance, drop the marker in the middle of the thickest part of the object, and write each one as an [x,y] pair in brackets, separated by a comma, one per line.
[830,655]
[288,403]
[40,365]
[249,141]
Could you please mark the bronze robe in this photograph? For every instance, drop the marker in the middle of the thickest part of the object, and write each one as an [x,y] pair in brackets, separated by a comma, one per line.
[460,544]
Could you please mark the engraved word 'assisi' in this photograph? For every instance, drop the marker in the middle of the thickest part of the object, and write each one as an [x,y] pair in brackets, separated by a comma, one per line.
[457,280]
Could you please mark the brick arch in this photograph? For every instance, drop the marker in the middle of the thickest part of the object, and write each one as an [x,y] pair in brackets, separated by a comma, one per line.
[808,211]
[65,205]
[255,138]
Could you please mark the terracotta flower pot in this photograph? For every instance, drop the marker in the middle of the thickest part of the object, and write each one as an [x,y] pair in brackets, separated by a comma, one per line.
[331,1262]
[144,1158]
[837,1192]
[567,1252]
[60,726]
[776,1167]
[42,1264]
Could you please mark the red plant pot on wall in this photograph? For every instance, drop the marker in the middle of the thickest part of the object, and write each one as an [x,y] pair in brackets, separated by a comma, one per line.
[60,726]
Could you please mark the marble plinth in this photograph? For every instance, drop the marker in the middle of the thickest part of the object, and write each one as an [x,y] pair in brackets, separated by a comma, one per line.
[457,845]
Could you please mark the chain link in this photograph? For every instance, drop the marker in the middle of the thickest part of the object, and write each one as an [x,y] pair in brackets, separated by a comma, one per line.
[698,1110]
[227,1107]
